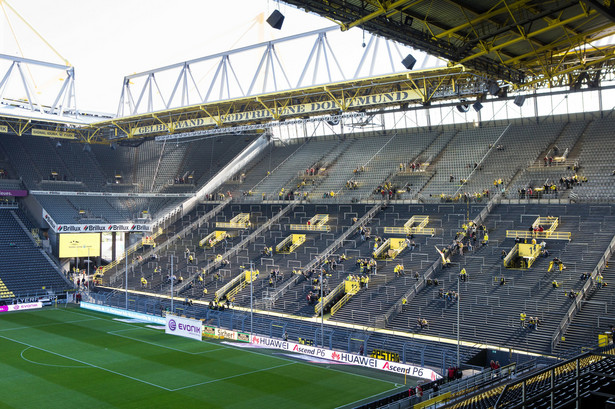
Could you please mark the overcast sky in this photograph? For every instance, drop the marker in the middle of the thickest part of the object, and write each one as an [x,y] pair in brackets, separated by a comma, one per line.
[107,40]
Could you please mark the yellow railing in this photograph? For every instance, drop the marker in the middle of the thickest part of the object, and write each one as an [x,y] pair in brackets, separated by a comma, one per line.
[237,289]
[237,284]
[524,234]
[316,223]
[213,238]
[336,291]
[37,239]
[226,288]
[390,248]
[512,253]
[341,303]
[129,251]
[421,222]
[528,252]
[412,230]
[241,221]
[283,243]
[310,227]
[414,225]
[295,240]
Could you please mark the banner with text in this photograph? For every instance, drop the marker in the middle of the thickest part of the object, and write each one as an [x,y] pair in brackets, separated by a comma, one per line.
[53,134]
[183,327]
[107,194]
[343,357]
[19,307]
[388,98]
[13,192]
[222,333]
[95,228]
[52,224]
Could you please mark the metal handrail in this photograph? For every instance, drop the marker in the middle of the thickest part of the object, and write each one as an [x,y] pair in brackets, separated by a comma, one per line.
[574,308]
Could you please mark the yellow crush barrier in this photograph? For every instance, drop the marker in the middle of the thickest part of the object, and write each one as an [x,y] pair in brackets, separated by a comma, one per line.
[390,248]
[290,243]
[341,303]
[528,252]
[511,254]
[316,223]
[241,221]
[524,234]
[213,238]
[550,224]
[414,225]
[336,291]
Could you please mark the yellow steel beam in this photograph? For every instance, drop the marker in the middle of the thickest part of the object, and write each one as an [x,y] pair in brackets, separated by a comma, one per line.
[159,120]
[274,112]
[383,8]
[89,138]
[569,70]
[339,103]
[120,127]
[491,13]
[530,35]
[567,41]
[210,115]
[23,126]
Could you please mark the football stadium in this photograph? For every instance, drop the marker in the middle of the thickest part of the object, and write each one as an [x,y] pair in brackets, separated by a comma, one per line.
[409,204]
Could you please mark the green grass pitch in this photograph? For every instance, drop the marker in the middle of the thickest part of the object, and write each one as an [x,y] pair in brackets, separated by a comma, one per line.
[72,358]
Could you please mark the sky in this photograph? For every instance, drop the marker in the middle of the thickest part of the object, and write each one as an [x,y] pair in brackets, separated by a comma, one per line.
[107,40]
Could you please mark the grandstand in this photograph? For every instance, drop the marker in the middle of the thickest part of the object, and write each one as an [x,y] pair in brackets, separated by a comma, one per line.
[471,221]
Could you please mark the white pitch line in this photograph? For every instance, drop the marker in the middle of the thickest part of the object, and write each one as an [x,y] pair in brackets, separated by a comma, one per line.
[44,364]
[46,325]
[159,345]
[249,351]
[367,398]
[87,363]
[233,376]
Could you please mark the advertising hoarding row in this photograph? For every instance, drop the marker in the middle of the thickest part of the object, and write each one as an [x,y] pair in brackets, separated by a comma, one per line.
[95,228]
[346,358]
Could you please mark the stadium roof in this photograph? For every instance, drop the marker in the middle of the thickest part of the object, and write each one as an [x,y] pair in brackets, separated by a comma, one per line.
[490,46]
[522,42]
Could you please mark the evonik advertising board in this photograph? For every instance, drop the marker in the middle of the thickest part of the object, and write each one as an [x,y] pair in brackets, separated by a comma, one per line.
[346,358]
[184,327]
[19,307]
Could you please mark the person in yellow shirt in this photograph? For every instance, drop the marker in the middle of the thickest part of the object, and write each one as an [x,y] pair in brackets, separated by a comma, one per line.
[143,282]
